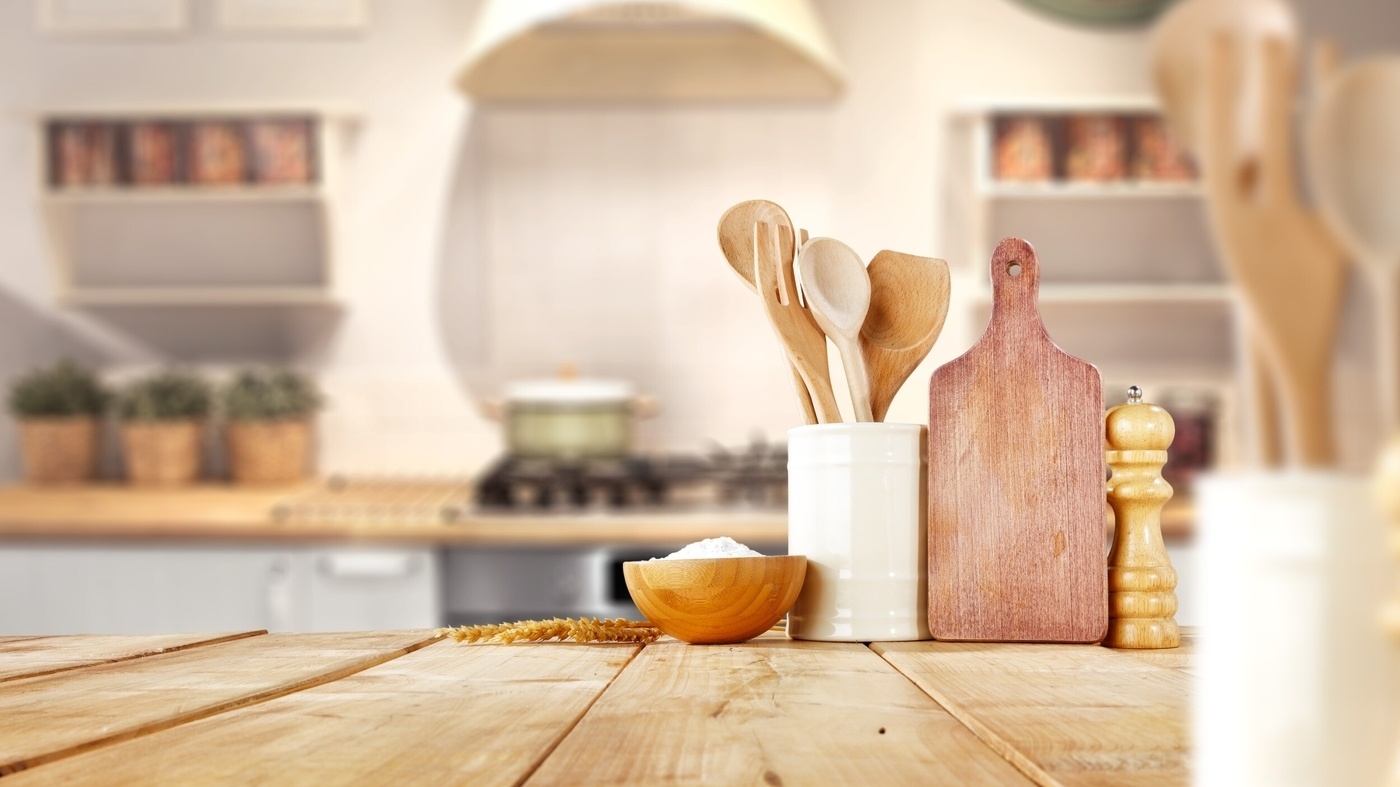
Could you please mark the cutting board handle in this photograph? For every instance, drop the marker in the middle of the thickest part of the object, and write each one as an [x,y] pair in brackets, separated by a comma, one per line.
[1015,286]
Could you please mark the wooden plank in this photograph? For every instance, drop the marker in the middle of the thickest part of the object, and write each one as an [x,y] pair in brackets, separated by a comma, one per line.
[1016,478]
[1180,658]
[49,717]
[27,657]
[1064,715]
[446,714]
[770,711]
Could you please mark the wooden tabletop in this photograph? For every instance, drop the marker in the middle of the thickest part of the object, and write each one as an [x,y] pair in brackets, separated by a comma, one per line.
[407,707]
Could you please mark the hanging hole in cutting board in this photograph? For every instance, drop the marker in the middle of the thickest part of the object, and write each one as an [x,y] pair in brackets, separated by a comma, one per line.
[1013,270]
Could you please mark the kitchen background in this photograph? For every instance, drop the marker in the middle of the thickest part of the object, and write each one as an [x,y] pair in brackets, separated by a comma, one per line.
[481,243]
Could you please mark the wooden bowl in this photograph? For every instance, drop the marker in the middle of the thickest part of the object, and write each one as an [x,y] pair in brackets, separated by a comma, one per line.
[715,600]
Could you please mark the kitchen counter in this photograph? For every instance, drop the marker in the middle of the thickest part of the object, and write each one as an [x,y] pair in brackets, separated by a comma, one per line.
[407,707]
[222,512]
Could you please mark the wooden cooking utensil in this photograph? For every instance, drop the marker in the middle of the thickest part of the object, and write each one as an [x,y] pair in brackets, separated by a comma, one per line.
[1180,53]
[736,241]
[1353,152]
[1290,270]
[1016,478]
[908,305]
[838,295]
[799,333]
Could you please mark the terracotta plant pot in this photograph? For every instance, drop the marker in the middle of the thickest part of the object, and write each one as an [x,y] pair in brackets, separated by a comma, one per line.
[161,453]
[59,450]
[268,452]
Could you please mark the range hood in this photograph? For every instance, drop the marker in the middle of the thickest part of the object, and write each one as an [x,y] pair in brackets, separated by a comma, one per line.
[624,50]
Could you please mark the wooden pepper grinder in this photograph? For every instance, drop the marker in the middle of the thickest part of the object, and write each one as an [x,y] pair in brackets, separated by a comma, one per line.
[1141,580]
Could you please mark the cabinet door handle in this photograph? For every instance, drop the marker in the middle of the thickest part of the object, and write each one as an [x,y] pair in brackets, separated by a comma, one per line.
[280,604]
[369,565]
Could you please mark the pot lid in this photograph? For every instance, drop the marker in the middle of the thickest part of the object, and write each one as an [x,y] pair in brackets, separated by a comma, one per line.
[569,391]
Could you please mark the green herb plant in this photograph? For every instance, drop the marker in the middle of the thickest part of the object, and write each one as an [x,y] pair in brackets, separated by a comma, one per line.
[170,395]
[63,390]
[270,395]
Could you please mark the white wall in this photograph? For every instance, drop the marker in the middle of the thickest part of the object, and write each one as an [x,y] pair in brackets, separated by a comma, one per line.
[493,243]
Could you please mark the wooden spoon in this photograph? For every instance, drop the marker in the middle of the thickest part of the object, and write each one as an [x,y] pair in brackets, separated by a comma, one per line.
[908,305]
[1179,52]
[796,327]
[838,293]
[736,241]
[1290,270]
[1353,153]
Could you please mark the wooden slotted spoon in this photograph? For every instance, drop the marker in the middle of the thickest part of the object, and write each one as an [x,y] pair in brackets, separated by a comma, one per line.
[908,306]
[736,241]
[800,335]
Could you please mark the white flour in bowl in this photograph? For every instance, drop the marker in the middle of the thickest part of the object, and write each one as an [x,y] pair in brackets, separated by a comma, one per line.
[723,546]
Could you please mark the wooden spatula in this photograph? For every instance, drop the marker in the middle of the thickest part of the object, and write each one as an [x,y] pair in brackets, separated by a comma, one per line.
[1016,479]
[908,305]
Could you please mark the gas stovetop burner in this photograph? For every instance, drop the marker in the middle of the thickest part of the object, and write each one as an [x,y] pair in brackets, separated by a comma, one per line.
[756,476]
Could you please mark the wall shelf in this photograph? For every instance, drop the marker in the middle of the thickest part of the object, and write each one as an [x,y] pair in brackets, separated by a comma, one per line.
[1130,293]
[1088,191]
[1130,279]
[199,296]
[103,194]
[258,233]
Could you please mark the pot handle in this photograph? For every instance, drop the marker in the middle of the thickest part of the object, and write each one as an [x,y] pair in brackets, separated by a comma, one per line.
[645,406]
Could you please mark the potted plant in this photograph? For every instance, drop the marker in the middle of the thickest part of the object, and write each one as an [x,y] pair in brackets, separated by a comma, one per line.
[269,425]
[161,420]
[58,410]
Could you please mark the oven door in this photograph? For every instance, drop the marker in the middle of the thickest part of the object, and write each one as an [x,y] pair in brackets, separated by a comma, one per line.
[495,585]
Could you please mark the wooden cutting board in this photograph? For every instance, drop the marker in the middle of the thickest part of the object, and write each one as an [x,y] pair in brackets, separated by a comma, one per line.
[1016,479]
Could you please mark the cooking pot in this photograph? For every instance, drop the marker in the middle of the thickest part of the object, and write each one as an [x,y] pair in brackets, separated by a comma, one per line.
[569,419]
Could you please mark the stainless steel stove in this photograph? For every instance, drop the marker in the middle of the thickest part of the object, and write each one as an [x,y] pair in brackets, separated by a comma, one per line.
[754,476]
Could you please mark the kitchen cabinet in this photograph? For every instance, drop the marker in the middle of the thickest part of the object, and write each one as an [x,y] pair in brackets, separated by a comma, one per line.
[132,224]
[64,588]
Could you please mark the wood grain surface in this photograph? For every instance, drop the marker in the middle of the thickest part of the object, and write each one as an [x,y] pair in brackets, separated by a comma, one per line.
[52,716]
[773,712]
[27,657]
[445,714]
[1064,715]
[1016,478]
[399,707]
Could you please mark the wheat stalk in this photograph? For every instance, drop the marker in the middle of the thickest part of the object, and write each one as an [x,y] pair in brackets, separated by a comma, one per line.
[577,630]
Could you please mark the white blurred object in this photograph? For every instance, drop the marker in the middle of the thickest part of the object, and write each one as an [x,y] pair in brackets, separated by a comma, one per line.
[1353,154]
[1180,47]
[1386,489]
[649,50]
[1297,683]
